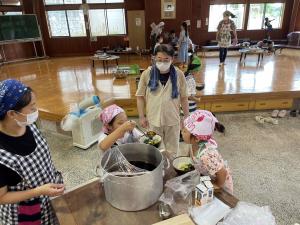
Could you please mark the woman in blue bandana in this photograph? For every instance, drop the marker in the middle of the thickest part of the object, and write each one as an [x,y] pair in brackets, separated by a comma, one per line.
[162,89]
[27,174]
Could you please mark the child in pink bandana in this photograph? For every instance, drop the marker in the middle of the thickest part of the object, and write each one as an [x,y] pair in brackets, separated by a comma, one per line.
[117,129]
[198,130]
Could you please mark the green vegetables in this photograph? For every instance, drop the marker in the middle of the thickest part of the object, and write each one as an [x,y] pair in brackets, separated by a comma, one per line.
[185,167]
[151,141]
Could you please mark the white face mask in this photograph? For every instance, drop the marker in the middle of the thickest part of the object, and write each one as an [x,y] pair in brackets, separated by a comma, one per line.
[163,66]
[30,118]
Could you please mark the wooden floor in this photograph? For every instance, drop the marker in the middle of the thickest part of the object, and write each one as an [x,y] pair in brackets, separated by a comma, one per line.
[60,82]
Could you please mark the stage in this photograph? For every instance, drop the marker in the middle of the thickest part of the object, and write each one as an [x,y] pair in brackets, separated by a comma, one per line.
[59,82]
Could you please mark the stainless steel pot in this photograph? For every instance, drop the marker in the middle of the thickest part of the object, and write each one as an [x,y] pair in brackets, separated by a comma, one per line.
[137,192]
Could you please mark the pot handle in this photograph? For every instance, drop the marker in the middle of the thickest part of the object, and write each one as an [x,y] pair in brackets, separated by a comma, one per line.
[99,172]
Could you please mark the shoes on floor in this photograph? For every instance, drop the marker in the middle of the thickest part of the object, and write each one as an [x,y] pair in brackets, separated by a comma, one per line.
[271,120]
[275,113]
[282,113]
[262,120]
[293,113]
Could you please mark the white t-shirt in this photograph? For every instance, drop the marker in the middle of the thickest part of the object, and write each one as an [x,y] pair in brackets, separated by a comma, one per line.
[136,136]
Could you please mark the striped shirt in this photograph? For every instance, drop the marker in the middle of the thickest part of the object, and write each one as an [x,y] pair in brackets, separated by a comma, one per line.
[191,87]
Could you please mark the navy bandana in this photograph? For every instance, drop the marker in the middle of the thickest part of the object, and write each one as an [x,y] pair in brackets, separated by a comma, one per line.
[154,80]
[10,93]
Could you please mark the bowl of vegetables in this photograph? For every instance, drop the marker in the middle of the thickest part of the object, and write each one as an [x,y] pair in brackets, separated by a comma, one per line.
[151,138]
[183,164]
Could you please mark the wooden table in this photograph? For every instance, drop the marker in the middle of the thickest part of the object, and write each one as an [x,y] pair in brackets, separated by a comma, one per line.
[105,60]
[86,205]
[258,52]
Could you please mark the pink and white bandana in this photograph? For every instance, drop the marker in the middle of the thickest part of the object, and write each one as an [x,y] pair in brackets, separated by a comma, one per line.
[201,124]
[107,115]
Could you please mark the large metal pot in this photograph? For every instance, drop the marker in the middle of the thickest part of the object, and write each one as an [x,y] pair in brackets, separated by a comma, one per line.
[136,192]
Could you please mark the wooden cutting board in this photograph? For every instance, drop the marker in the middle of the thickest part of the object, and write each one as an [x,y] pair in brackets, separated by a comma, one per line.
[183,219]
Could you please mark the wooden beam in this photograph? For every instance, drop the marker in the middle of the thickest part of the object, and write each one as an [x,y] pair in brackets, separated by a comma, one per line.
[296,8]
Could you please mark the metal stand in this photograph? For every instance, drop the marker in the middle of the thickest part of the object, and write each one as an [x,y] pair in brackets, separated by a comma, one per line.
[33,40]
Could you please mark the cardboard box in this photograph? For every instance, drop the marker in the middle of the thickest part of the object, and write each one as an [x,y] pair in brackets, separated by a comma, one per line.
[210,190]
[204,192]
[201,194]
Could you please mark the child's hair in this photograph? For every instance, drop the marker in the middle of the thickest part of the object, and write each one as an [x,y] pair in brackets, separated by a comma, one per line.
[185,26]
[191,66]
[172,32]
[166,49]
[220,128]
[112,121]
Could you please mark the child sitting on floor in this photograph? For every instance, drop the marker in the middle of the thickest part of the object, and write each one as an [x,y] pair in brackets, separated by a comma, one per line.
[198,130]
[117,129]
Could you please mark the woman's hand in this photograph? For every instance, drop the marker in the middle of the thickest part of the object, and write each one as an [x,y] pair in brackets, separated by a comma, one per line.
[51,189]
[235,41]
[144,122]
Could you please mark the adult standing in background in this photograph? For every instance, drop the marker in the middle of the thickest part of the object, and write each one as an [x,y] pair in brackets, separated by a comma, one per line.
[183,44]
[27,174]
[156,31]
[161,91]
[173,40]
[224,36]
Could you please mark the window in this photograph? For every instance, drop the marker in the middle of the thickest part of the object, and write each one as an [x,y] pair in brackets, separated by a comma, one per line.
[256,15]
[10,2]
[70,21]
[58,25]
[97,22]
[104,1]
[258,12]
[216,15]
[66,23]
[107,22]
[76,23]
[61,2]
[274,11]
[116,21]
[12,13]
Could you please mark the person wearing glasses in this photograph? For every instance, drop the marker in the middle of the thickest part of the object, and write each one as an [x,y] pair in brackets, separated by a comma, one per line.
[28,177]
[161,91]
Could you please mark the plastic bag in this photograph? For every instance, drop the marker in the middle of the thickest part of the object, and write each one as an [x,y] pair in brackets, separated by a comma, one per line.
[209,214]
[116,164]
[249,214]
[178,192]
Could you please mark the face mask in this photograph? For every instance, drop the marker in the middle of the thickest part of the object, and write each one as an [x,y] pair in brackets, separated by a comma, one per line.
[163,67]
[30,118]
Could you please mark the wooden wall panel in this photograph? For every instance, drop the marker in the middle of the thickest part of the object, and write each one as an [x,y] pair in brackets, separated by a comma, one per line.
[297,24]
[134,4]
[186,10]
[195,9]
